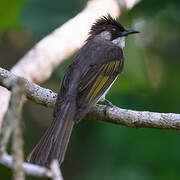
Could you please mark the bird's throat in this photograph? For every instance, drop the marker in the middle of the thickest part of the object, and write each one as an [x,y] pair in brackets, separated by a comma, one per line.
[120,41]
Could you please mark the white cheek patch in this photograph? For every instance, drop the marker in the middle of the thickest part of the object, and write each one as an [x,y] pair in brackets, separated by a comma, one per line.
[120,41]
[105,35]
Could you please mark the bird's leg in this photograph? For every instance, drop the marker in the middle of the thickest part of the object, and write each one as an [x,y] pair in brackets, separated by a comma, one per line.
[109,103]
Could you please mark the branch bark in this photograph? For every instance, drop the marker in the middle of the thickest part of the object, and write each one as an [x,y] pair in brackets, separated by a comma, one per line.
[137,119]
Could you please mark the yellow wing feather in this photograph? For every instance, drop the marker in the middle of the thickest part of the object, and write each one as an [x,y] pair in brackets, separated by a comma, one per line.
[102,76]
[99,83]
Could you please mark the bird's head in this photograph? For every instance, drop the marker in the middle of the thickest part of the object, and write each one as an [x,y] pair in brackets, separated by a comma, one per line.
[110,29]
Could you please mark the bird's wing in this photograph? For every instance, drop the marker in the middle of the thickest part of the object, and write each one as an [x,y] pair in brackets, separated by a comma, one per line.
[97,79]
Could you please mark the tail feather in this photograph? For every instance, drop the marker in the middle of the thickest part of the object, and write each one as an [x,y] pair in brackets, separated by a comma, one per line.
[54,143]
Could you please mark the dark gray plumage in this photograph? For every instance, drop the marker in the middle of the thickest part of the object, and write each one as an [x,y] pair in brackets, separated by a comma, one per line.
[88,77]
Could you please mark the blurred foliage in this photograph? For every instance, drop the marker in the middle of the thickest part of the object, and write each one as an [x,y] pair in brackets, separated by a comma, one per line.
[9,13]
[52,13]
[150,81]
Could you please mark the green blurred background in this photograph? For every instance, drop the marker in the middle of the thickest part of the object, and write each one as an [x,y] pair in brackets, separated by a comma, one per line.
[150,81]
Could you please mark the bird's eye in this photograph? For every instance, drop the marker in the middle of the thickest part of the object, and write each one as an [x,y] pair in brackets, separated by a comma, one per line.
[113,29]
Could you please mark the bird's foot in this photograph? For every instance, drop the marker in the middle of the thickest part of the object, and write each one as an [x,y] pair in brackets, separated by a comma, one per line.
[109,103]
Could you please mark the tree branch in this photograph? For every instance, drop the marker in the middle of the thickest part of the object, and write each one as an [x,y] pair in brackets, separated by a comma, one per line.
[15,107]
[12,116]
[34,92]
[55,169]
[137,119]
[29,169]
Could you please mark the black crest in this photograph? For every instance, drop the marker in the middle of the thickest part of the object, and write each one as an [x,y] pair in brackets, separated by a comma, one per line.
[105,23]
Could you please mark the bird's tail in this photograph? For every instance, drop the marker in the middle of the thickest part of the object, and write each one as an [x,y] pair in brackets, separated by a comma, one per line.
[54,143]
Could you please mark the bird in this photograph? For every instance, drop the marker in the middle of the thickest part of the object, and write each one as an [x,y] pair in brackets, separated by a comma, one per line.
[87,80]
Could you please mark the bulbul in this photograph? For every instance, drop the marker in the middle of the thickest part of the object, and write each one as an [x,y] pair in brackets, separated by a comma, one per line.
[86,81]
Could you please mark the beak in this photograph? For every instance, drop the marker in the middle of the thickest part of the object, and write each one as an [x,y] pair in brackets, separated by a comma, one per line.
[130,31]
